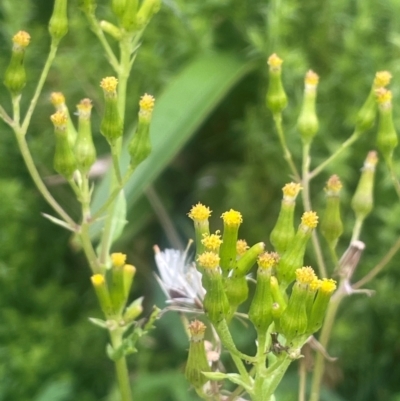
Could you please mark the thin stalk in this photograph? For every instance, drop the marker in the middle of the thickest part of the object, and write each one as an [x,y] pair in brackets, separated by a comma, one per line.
[241,368]
[30,165]
[377,269]
[121,368]
[5,117]
[286,152]
[357,230]
[302,380]
[347,143]
[307,206]
[260,365]
[319,365]
[39,86]
[393,177]
[16,109]
[115,159]
[90,253]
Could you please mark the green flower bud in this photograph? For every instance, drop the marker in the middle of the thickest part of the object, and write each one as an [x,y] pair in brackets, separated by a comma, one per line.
[200,215]
[237,291]
[215,303]
[387,139]
[133,311]
[248,259]
[277,311]
[278,295]
[260,312]
[276,97]
[87,6]
[367,114]
[85,152]
[331,222]
[15,75]
[232,220]
[326,288]
[117,291]
[362,202]
[146,12]
[100,286]
[292,259]
[118,7]
[294,318]
[111,124]
[197,360]
[58,101]
[111,29]
[58,25]
[283,232]
[129,274]
[307,123]
[129,17]
[140,145]
[64,159]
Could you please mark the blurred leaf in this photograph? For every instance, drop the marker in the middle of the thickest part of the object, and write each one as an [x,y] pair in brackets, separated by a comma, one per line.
[179,111]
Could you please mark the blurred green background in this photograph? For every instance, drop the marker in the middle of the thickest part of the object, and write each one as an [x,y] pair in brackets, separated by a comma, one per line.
[205,62]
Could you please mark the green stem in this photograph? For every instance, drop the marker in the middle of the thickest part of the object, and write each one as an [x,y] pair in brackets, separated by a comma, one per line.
[307,206]
[324,339]
[286,152]
[5,117]
[393,177]
[39,86]
[90,253]
[121,368]
[16,109]
[342,148]
[260,365]
[30,165]
[357,230]
[117,170]
[302,380]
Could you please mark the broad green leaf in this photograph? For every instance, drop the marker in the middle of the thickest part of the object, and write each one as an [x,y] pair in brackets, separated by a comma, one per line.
[180,110]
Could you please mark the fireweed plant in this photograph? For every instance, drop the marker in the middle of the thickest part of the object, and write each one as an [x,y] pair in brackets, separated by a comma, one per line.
[290,302]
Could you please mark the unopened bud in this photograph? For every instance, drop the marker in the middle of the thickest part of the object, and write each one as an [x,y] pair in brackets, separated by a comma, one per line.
[146,12]
[118,7]
[58,25]
[15,75]
[362,202]
[276,98]
[87,6]
[140,145]
[200,215]
[307,123]
[129,18]
[133,311]
[247,261]
[100,286]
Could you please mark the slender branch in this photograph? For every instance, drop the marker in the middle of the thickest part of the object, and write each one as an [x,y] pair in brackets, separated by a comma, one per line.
[39,86]
[90,253]
[356,134]
[377,269]
[5,117]
[286,152]
[302,380]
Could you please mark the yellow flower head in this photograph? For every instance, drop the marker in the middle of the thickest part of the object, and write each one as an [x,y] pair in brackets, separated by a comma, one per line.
[109,84]
[333,185]
[327,285]
[241,247]
[21,39]
[384,97]
[118,259]
[84,107]
[59,119]
[197,330]
[382,79]
[291,190]
[311,78]
[146,105]
[275,62]
[232,218]
[371,160]
[305,275]
[199,212]
[267,260]
[97,279]
[212,241]
[208,260]
[315,284]
[309,219]
[57,99]
[129,268]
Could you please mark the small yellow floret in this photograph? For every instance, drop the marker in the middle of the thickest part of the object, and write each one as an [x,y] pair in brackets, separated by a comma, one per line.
[275,62]
[118,259]
[232,218]
[382,78]
[22,38]
[309,219]
[291,190]
[315,284]
[97,280]
[333,184]
[208,260]
[197,329]
[305,275]
[328,285]
[129,269]
[383,96]
[146,103]
[84,105]
[241,247]
[311,78]
[267,260]
[199,212]
[371,160]
[59,119]
[212,242]
[57,99]
[109,84]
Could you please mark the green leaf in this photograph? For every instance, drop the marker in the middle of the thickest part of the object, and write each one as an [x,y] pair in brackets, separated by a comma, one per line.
[179,111]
